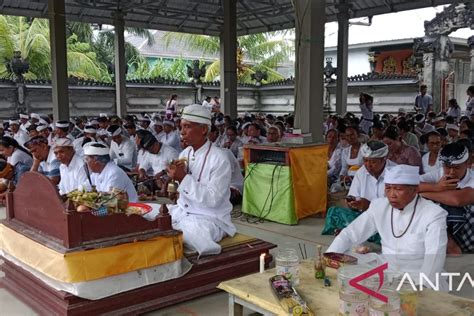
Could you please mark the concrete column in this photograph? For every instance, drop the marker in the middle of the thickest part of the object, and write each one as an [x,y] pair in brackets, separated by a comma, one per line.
[57,36]
[120,66]
[440,71]
[342,57]
[309,84]
[470,42]
[428,70]
[228,59]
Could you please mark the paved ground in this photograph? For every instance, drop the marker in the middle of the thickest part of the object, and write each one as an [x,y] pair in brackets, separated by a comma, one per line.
[306,233]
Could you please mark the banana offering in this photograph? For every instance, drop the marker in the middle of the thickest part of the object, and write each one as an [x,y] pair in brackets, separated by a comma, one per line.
[115,201]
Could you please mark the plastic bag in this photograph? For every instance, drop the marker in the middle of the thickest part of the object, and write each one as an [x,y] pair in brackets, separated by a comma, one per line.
[338,218]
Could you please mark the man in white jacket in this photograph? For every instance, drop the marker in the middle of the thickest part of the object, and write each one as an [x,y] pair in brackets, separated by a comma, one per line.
[413,229]
[203,207]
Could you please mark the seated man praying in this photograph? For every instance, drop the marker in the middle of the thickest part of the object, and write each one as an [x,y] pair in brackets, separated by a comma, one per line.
[105,174]
[203,207]
[452,186]
[413,229]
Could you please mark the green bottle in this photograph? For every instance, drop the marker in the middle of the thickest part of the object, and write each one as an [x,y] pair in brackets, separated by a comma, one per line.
[319,266]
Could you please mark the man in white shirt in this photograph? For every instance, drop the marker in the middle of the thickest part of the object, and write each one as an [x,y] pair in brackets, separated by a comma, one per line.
[368,183]
[203,207]
[158,129]
[171,136]
[23,121]
[90,134]
[158,157]
[453,187]
[72,167]
[44,160]
[413,229]
[207,104]
[61,130]
[122,150]
[105,174]
[222,138]
[18,133]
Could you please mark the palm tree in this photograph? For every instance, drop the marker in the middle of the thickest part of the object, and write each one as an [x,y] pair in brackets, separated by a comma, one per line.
[31,38]
[255,52]
[89,56]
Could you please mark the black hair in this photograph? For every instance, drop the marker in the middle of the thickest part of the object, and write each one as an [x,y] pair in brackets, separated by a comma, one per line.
[147,141]
[403,125]
[392,133]
[6,141]
[356,128]
[112,128]
[442,132]
[232,128]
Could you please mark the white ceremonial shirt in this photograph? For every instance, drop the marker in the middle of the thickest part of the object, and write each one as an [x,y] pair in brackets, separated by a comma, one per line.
[158,162]
[141,157]
[21,137]
[73,176]
[209,196]
[421,249]
[125,154]
[171,139]
[347,161]
[237,181]
[112,177]
[426,165]
[364,185]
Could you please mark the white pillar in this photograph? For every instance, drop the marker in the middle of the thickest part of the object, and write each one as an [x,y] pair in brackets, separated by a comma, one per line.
[470,42]
[228,59]
[120,66]
[342,57]
[309,83]
[57,36]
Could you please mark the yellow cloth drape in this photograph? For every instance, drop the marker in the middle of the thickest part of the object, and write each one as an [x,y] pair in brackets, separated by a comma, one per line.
[92,264]
[309,175]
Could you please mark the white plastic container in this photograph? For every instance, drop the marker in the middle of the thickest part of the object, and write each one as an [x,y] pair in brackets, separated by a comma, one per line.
[287,264]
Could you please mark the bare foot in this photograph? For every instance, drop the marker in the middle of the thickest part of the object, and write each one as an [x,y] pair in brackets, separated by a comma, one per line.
[452,249]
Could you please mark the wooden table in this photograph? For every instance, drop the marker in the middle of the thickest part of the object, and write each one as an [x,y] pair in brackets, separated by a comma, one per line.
[254,292]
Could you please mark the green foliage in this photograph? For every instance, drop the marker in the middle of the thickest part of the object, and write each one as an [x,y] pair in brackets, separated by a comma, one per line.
[88,55]
[263,51]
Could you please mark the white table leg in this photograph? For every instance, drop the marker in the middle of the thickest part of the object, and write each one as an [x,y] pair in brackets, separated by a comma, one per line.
[235,309]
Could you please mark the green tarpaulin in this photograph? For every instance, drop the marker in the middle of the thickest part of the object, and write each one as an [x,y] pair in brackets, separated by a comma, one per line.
[268,193]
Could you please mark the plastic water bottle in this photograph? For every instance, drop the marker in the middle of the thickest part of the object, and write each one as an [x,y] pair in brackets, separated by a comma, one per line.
[287,264]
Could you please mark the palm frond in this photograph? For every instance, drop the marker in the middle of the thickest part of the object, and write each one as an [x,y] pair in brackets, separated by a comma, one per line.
[7,45]
[205,44]
[213,71]
[143,33]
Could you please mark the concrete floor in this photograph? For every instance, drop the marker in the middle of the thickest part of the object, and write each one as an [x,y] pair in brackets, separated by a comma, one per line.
[307,233]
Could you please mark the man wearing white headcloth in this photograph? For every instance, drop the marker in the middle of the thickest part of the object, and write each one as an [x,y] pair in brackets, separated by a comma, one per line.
[413,229]
[452,186]
[122,150]
[61,130]
[203,207]
[90,135]
[105,174]
[71,168]
[368,183]
[23,120]
[18,133]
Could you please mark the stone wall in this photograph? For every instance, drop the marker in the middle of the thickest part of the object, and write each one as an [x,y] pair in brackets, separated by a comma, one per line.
[92,100]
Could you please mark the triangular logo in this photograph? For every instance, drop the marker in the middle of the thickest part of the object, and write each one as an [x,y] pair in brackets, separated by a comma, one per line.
[379,270]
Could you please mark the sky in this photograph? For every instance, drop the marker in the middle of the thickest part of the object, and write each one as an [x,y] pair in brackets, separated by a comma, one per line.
[400,25]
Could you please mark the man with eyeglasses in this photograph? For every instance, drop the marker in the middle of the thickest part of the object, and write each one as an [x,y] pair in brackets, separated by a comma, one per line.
[452,186]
